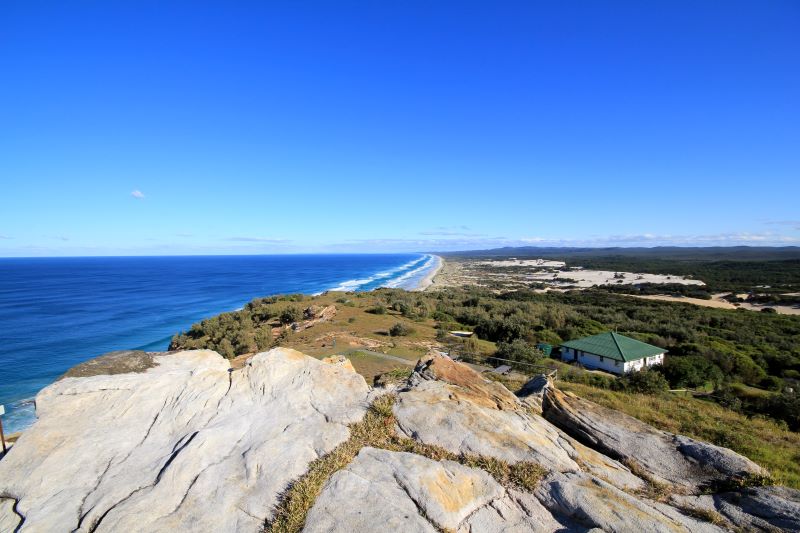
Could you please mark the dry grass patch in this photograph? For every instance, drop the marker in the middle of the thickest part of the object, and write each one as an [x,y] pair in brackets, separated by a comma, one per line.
[706,515]
[377,430]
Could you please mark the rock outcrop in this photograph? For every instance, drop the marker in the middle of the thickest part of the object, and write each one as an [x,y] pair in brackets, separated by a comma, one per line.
[406,492]
[183,445]
[686,464]
[470,385]
[314,315]
[340,361]
[179,442]
[450,405]
[532,393]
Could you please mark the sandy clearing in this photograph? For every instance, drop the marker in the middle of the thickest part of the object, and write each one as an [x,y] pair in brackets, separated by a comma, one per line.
[590,278]
[534,263]
[718,303]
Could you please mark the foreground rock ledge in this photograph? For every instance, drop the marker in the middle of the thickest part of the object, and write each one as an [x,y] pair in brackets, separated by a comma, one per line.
[135,441]
[182,445]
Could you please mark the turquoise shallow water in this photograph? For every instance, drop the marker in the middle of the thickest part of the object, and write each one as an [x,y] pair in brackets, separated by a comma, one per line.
[58,312]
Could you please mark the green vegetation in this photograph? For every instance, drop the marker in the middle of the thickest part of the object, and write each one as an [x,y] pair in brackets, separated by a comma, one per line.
[400,330]
[742,362]
[246,331]
[290,315]
[670,289]
[709,349]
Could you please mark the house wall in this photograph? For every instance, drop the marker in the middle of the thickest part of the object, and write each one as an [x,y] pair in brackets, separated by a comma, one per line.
[641,363]
[590,360]
[610,365]
[567,354]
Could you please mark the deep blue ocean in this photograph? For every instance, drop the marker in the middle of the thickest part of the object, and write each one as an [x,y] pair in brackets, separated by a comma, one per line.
[58,312]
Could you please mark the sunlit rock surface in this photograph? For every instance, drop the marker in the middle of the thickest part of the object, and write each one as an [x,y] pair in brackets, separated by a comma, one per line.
[183,445]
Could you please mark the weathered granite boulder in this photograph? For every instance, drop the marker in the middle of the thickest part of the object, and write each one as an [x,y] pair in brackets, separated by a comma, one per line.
[340,361]
[752,509]
[407,492]
[314,315]
[594,503]
[535,387]
[137,441]
[9,519]
[448,404]
[183,445]
[532,392]
[686,464]
[765,508]
[470,384]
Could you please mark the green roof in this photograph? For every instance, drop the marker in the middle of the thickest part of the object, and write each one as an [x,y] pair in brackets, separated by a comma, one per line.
[614,346]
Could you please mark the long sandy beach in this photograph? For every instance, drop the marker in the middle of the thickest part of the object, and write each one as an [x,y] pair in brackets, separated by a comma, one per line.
[427,281]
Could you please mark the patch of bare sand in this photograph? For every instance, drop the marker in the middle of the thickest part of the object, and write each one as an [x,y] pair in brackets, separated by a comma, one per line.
[716,301]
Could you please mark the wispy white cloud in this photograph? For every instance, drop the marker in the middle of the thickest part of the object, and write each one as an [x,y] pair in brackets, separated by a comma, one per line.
[4,238]
[442,233]
[794,224]
[257,239]
[453,228]
[136,193]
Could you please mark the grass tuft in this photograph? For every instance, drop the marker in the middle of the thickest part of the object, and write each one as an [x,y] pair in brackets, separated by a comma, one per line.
[706,515]
[653,489]
[377,430]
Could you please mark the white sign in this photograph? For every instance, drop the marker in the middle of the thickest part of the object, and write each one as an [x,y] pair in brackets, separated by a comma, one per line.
[2,410]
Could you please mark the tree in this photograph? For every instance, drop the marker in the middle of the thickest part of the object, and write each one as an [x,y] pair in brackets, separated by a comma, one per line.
[244,342]
[225,349]
[518,350]
[290,314]
[690,371]
[263,338]
[399,330]
[645,382]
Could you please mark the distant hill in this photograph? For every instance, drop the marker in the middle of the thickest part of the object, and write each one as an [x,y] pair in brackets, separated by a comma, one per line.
[675,253]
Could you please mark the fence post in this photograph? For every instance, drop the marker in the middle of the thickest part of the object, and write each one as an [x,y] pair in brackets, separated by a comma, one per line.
[2,437]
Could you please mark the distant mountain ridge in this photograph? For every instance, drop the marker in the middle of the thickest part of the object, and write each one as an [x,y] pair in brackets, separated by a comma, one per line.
[681,253]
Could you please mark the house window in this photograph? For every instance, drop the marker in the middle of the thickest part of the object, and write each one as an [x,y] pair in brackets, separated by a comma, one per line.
[616,363]
[601,358]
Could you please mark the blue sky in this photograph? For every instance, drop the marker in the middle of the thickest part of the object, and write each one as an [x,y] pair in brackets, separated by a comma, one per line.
[279,127]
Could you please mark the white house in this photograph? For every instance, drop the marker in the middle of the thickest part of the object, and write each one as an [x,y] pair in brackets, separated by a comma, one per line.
[612,352]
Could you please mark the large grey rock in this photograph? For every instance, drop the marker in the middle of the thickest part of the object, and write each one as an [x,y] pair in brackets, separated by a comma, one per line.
[441,414]
[9,519]
[762,508]
[470,385]
[532,392]
[406,492]
[181,445]
[433,413]
[685,463]
[517,512]
[594,503]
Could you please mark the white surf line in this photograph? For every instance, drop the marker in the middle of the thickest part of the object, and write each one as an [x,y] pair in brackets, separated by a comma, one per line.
[354,284]
[400,280]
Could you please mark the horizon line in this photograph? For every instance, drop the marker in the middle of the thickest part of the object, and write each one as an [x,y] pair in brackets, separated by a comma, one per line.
[435,253]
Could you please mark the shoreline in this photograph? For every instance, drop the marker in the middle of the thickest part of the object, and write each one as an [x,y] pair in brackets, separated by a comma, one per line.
[426,282]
